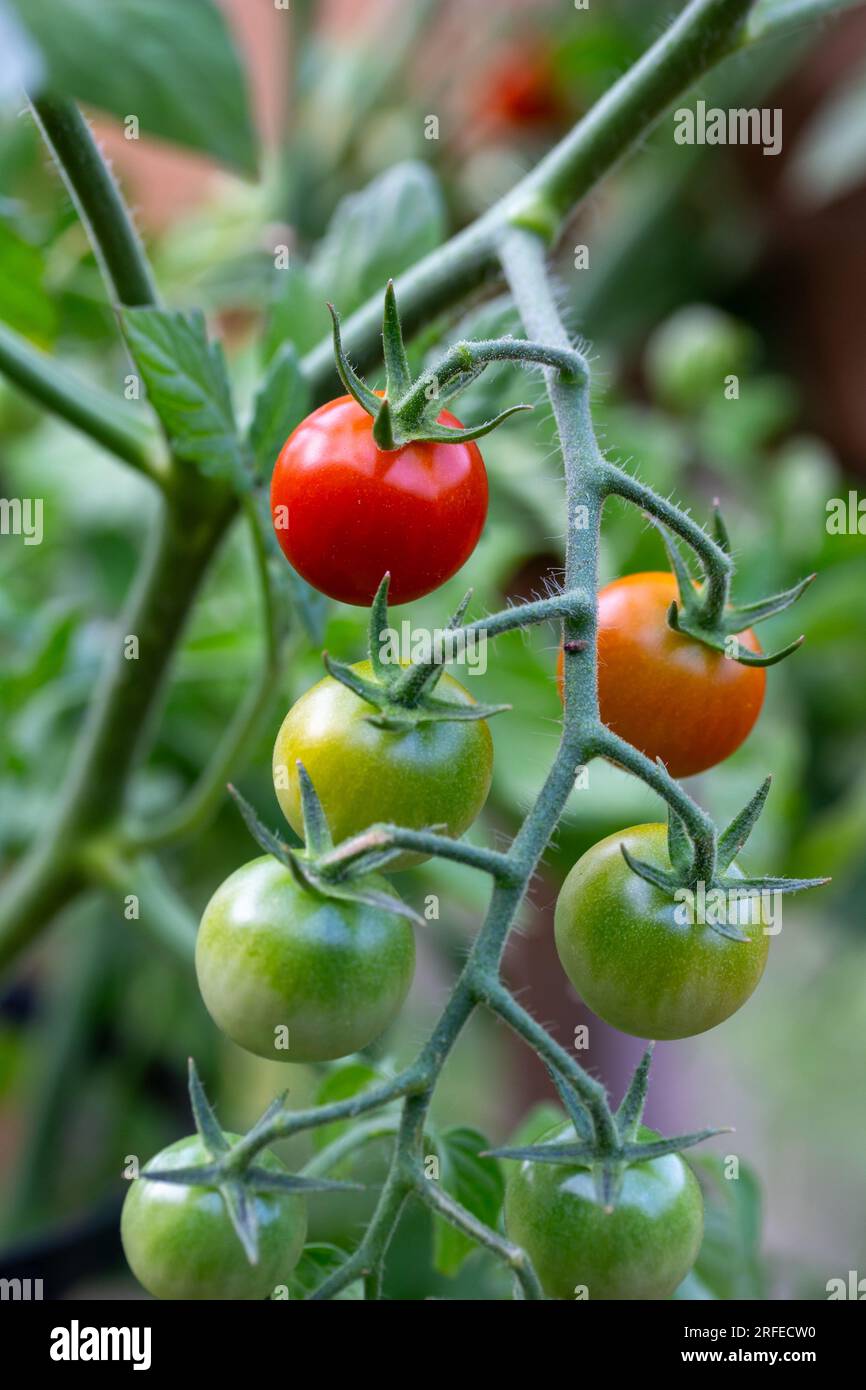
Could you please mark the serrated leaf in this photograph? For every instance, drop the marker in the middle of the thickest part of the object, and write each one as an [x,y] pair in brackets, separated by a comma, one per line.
[474,1181]
[378,232]
[173,65]
[281,403]
[188,387]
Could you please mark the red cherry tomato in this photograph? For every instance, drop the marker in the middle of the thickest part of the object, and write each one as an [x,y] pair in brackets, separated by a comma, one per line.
[346,512]
[669,695]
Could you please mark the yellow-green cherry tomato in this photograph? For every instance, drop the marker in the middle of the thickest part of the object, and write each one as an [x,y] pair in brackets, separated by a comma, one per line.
[180,1243]
[437,774]
[642,1249]
[635,958]
[295,976]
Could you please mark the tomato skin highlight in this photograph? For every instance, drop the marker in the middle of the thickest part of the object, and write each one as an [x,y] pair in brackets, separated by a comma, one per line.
[271,955]
[346,512]
[632,962]
[669,695]
[643,1249]
[179,1241]
[438,774]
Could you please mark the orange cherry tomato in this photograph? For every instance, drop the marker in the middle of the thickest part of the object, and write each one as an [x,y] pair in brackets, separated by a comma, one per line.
[667,694]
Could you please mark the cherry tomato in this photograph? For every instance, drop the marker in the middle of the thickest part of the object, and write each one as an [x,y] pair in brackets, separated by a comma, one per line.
[295,976]
[180,1243]
[437,774]
[635,958]
[346,512]
[640,1250]
[670,696]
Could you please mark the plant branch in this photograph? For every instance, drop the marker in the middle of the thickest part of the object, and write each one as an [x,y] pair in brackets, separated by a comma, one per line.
[97,199]
[699,825]
[87,408]
[517,1260]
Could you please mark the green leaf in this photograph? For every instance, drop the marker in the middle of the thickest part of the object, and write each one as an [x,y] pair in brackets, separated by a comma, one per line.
[729,1264]
[315,1265]
[298,313]
[187,385]
[24,304]
[280,404]
[377,233]
[347,1079]
[476,1183]
[172,65]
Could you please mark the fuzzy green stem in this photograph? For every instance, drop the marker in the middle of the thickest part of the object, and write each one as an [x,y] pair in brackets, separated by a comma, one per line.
[97,199]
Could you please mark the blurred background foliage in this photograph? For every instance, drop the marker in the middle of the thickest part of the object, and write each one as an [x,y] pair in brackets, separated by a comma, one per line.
[697,258]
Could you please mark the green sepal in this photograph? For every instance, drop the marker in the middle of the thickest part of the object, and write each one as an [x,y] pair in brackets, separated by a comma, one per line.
[262,1180]
[680,850]
[317,835]
[720,530]
[242,1214]
[574,1107]
[773,885]
[433,711]
[200,1175]
[659,1148]
[206,1123]
[649,873]
[630,1112]
[721,642]
[548,1153]
[266,840]
[736,834]
[445,434]
[368,691]
[356,388]
[397,374]
[382,670]
[749,614]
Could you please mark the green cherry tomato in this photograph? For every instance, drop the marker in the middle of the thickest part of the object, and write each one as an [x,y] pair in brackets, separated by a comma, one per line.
[641,1250]
[180,1243]
[437,774]
[295,976]
[632,956]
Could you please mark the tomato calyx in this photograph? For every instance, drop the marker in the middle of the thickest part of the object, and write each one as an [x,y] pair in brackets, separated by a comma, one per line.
[408,412]
[314,866]
[704,614]
[237,1183]
[608,1158]
[727,878]
[403,696]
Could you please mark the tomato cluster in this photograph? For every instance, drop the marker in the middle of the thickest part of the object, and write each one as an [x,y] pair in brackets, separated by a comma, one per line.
[296,966]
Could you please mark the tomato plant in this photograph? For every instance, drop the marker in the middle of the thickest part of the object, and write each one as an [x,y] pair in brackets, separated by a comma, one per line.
[180,1242]
[296,976]
[635,962]
[346,511]
[434,773]
[664,692]
[642,1249]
